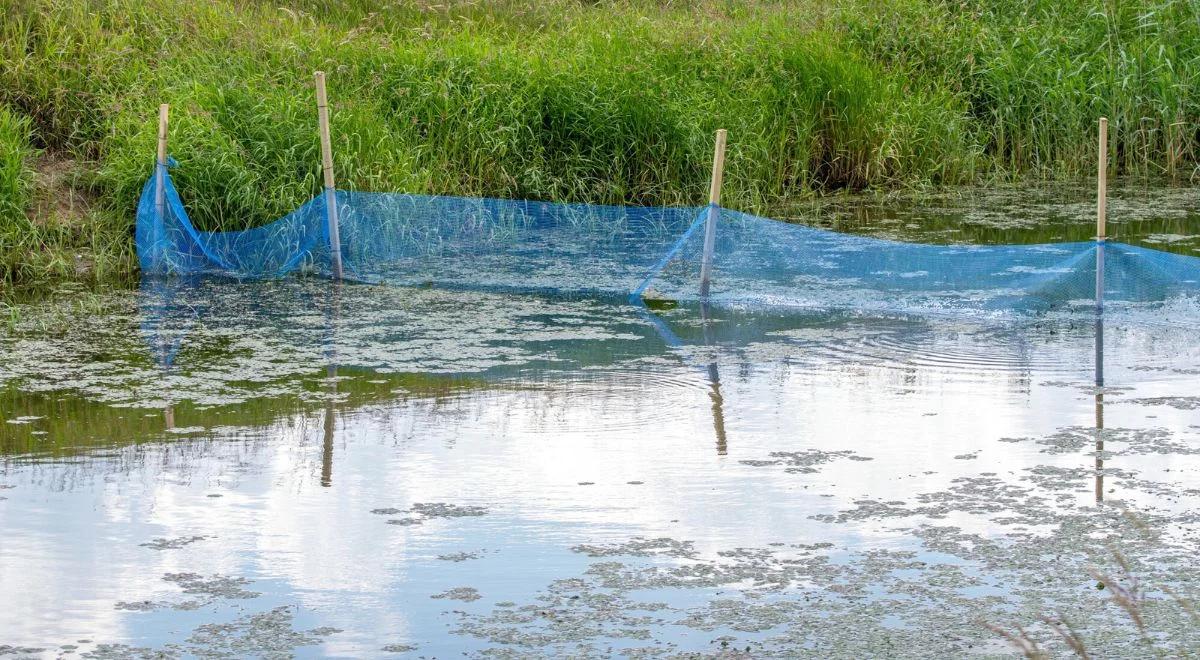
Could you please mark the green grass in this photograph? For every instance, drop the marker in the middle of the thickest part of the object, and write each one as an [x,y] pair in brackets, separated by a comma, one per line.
[44,234]
[16,176]
[611,102]
[22,241]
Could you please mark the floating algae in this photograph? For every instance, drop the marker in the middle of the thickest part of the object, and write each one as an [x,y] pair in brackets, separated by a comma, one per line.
[457,557]
[1176,402]
[172,544]
[267,634]
[465,594]
[125,651]
[141,605]
[423,511]
[804,462]
[215,586]
[640,547]
[442,510]
[790,601]
[8,649]
[1117,441]
[206,590]
[898,603]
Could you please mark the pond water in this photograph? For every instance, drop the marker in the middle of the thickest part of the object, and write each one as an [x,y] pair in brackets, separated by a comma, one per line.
[1139,212]
[223,469]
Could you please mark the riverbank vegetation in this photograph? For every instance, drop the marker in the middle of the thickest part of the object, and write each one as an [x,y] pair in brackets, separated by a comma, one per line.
[612,102]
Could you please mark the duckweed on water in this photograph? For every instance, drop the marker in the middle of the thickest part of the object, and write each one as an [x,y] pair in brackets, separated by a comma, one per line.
[172,544]
[457,557]
[790,603]
[7,649]
[465,594]
[424,511]
[215,586]
[268,634]
[804,462]
[443,510]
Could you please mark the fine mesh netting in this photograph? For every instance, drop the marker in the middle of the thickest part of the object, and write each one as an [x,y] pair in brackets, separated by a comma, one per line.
[656,253]
[767,262]
[420,239]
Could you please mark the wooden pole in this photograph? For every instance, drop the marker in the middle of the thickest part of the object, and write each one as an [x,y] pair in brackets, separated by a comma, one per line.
[714,211]
[1102,183]
[160,169]
[335,241]
[1101,235]
[1101,212]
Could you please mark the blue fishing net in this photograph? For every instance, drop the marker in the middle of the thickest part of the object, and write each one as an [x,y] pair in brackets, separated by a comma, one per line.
[656,253]
[767,262]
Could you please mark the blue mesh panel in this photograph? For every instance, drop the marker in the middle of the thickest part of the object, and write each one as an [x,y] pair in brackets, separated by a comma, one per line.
[171,245]
[656,252]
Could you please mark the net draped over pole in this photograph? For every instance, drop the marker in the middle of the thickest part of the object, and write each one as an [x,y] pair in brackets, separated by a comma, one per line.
[651,252]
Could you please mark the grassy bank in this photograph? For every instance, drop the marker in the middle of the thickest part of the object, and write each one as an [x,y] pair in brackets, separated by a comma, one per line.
[16,184]
[16,176]
[51,226]
[611,102]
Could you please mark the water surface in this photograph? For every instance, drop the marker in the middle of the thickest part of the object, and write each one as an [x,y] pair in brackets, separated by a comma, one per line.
[217,468]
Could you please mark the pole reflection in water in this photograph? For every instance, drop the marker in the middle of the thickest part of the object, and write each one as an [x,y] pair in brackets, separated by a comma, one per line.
[331,318]
[713,374]
[166,361]
[714,382]
[327,445]
[165,341]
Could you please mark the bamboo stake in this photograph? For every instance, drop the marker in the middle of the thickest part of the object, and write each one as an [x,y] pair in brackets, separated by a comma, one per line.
[1101,212]
[335,242]
[160,207]
[1102,183]
[160,170]
[714,211]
